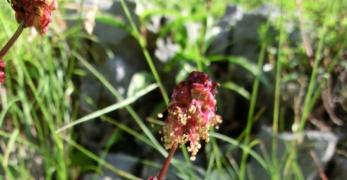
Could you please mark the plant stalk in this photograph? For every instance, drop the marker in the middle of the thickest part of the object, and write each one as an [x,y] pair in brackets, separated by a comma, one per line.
[166,164]
[13,39]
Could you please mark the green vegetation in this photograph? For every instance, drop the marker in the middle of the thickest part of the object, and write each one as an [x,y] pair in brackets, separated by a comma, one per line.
[40,106]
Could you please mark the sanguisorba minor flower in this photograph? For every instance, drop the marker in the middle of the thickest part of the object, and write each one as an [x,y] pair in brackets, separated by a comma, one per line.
[36,13]
[2,71]
[191,113]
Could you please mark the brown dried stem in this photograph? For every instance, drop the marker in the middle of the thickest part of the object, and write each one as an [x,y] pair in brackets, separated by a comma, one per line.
[322,174]
[330,105]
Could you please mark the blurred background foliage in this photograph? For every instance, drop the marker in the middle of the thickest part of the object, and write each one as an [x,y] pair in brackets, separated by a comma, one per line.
[82,102]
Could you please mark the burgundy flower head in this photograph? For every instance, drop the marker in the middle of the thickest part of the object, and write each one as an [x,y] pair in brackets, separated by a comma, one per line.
[191,113]
[2,72]
[35,13]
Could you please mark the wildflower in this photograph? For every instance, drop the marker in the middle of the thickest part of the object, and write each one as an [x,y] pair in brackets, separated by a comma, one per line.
[36,13]
[191,113]
[2,71]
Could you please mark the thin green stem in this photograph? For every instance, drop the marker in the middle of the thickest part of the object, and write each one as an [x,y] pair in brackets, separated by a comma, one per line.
[276,112]
[251,111]
[312,84]
[142,42]
[118,96]
[310,98]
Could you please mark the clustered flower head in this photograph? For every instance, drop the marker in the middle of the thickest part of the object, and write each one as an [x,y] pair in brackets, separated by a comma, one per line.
[2,71]
[35,13]
[191,113]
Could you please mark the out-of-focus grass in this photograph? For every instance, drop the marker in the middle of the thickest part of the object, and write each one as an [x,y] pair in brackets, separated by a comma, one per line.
[36,101]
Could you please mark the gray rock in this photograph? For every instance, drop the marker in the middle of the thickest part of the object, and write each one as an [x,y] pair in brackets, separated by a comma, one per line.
[100,4]
[339,171]
[117,56]
[120,161]
[112,35]
[118,71]
[270,11]
[231,16]
[239,31]
[247,37]
[223,40]
[323,144]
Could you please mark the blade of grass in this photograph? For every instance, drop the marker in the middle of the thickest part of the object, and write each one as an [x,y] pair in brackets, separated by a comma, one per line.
[110,108]
[312,83]
[238,89]
[243,62]
[254,96]
[117,95]
[148,58]
[107,147]
[276,111]
[244,147]
[6,109]
[10,147]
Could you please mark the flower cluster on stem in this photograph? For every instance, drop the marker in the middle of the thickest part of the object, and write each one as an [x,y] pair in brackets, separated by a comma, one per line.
[191,113]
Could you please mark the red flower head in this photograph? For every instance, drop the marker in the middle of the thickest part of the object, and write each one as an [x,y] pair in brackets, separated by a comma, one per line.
[191,113]
[2,71]
[35,13]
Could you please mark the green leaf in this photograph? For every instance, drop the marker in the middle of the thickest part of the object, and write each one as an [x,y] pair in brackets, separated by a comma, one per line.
[238,89]
[111,20]
[243,62]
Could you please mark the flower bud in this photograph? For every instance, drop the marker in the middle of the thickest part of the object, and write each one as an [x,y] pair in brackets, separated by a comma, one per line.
[191,113]
[36,13]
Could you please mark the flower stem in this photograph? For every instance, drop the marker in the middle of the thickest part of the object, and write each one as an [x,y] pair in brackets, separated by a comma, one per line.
[10,42]
[166,164]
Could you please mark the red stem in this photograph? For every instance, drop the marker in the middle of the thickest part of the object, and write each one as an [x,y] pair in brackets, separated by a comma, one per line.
[10,42]
[166,164]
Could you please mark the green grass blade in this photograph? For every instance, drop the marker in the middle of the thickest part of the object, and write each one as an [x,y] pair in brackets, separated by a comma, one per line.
[244,147]
[238,89]
[110,108]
